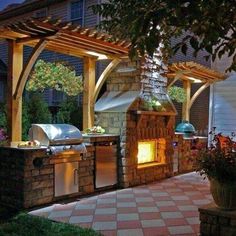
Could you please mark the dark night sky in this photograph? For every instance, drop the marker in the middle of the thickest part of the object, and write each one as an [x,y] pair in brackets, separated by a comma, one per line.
[4,3]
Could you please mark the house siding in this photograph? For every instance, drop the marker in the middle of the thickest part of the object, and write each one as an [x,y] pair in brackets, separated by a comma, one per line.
[223,106]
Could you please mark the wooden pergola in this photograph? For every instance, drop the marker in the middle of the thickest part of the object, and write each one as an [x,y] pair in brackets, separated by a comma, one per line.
[60,37]
[189,73]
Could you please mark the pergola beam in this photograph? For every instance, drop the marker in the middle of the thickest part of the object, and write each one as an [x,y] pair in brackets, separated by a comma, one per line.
[185,106]
[88,92]
[14,106]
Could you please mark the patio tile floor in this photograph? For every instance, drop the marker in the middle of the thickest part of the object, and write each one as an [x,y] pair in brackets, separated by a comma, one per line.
[167,207]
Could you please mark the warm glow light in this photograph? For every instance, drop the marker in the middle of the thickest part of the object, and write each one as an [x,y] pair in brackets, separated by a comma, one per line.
[146,152]
[100,56]
[195,80]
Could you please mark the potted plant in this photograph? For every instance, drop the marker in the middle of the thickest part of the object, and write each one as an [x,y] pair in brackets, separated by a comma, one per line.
[218,164]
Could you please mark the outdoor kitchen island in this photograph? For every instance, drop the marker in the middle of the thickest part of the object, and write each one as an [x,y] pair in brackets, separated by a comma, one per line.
[28,176]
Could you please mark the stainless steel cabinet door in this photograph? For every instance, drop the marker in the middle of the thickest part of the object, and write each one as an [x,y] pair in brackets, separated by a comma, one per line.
[66,178]
[106,166]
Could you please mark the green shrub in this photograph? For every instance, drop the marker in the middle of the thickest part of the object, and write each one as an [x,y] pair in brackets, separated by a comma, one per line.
[69,112]
[177,94]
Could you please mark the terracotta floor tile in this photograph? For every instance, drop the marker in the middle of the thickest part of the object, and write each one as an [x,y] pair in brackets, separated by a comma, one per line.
[108,232]
[159,231]
[104,217]
[131,224]
[172,222]
[149,215]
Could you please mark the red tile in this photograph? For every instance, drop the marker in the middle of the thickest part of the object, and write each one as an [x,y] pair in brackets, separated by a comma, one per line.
[126,200]
[82,212]
[108,232]
[149,215]
[168,208]
[183,202]
[156,231]
[104,218]
[190,213]
[172,222]
[130,224]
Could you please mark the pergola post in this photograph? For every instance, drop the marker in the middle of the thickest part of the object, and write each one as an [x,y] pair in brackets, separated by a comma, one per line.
[186,104]
[14,106]
[88,92]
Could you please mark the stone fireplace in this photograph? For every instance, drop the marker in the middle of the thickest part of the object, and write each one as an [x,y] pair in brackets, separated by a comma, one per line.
[146,152]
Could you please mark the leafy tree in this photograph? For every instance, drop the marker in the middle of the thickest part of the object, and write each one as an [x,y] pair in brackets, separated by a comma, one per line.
[147,23]
[55,75]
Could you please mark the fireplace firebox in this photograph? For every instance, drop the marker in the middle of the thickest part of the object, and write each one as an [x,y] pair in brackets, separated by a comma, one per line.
[151,151]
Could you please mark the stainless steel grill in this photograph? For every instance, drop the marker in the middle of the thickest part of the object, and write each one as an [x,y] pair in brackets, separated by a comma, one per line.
[58,137]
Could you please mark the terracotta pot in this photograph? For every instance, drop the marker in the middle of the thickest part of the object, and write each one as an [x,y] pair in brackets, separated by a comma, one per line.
[224,194]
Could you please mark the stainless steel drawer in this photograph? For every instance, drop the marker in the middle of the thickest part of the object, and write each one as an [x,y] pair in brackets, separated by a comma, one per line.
[66,178]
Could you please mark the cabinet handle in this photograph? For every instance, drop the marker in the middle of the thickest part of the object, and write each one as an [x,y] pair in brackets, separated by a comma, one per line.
[75,176]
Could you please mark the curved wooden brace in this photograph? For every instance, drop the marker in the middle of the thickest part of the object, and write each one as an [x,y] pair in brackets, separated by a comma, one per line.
[28,67]
[104,76]
[197,93]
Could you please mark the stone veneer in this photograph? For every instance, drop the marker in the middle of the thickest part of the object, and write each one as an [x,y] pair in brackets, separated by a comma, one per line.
[133,125]
[23,185]
[216,222]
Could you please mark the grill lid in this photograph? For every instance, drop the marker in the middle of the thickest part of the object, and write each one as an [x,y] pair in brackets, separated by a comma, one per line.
[186,128]
[55,134]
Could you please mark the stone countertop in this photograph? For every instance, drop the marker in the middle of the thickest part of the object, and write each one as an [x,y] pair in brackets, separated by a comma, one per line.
[91,138]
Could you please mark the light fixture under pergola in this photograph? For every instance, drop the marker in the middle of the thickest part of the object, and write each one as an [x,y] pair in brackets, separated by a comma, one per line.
[192,72]
[60,37]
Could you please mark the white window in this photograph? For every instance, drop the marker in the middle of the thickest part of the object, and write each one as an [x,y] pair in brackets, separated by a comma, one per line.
[77,12]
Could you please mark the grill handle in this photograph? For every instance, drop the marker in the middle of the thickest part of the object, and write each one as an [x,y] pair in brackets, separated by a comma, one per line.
[75,176]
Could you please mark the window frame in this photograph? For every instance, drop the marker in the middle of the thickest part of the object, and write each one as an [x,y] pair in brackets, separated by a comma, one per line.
[83,12]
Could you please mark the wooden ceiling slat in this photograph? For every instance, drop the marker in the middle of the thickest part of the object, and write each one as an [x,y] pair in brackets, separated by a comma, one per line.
[26,27]
[87,47]
[85,38]
[91,47]
[32,25]
[15,28]
[31,30]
